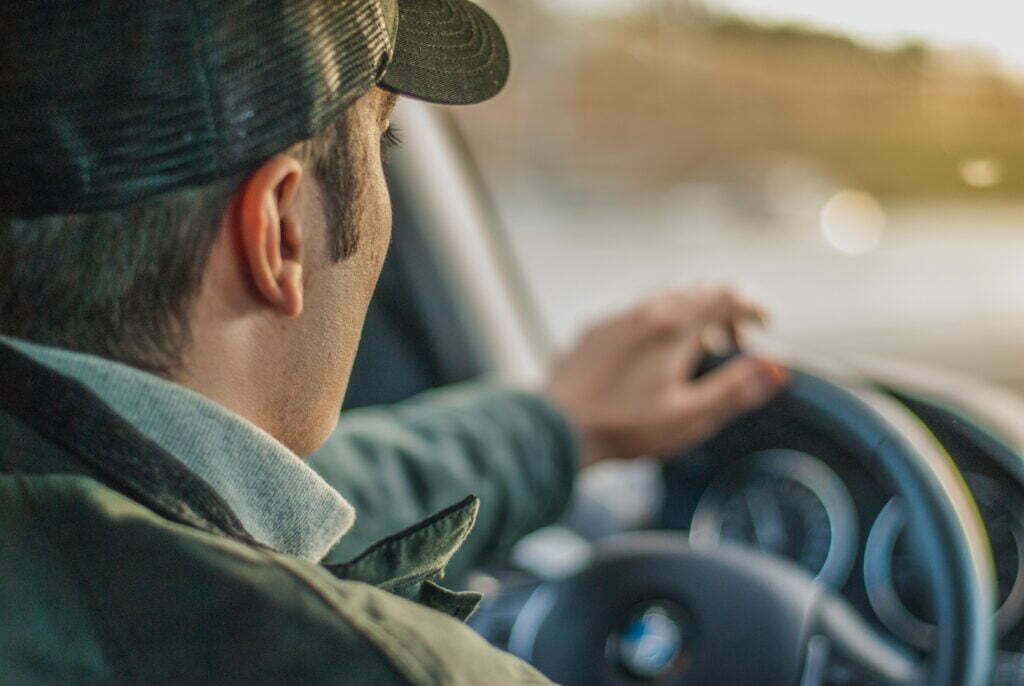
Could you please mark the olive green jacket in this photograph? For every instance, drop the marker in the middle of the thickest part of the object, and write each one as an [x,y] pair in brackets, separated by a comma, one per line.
[118,565]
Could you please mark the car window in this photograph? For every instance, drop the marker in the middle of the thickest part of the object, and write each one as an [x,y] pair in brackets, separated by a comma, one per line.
[858,167]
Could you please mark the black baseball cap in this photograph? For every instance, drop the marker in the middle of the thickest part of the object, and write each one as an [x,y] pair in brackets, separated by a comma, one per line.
[104,103]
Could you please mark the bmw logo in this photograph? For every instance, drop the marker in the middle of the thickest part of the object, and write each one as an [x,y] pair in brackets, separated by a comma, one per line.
[651,642]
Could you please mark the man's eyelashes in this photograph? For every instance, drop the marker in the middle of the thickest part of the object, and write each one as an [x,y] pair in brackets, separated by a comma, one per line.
[391,138]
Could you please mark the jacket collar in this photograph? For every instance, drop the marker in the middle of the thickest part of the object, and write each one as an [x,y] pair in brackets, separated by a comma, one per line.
[410,562]
[98,442]
[276,496]
[413,555]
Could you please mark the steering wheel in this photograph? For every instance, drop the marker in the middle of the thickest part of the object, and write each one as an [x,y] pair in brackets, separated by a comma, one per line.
[650,608]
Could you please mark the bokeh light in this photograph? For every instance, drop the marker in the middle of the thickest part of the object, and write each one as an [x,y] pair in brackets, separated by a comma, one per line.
[981,172]
[853,222]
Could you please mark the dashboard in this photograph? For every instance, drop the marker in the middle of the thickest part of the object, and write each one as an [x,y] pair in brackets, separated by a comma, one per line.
[817,505]
[792,481]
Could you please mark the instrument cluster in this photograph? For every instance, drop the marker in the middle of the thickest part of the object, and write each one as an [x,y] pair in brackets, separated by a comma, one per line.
[851,536]
[786,503]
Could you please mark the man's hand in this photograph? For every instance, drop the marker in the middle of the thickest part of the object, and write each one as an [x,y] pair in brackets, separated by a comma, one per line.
[627,386]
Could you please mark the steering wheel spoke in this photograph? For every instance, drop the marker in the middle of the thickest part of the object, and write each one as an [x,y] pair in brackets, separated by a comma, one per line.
[843,649]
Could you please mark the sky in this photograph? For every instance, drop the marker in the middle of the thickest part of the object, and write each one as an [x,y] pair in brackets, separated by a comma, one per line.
[992,25]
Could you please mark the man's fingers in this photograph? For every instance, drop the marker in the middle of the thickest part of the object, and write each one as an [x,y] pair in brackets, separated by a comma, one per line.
[725,309]
[709,403]
[679,313]
[674,313]
[626,385]
[740,385]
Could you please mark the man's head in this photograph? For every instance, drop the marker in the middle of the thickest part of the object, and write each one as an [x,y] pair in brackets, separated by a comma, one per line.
[283,256]
[246,278]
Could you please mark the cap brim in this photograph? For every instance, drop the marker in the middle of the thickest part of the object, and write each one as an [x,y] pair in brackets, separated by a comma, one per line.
[448,52]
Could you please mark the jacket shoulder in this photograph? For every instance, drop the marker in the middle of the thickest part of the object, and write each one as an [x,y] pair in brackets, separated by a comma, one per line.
[152,601]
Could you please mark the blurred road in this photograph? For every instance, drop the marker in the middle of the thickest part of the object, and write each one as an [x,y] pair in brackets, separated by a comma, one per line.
[945,285]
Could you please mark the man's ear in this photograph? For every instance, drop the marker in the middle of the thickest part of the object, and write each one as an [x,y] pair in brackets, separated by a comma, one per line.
[268,228]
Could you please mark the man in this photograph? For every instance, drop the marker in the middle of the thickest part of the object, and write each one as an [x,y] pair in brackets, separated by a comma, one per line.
[194,217]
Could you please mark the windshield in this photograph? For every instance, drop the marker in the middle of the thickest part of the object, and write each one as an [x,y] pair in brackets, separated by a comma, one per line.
[856,167]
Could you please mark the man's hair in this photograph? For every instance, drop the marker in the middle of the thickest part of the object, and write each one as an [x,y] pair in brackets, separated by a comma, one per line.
[119,283]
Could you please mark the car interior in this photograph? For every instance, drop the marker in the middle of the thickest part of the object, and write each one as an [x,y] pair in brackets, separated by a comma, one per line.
[858,168]
[852,531]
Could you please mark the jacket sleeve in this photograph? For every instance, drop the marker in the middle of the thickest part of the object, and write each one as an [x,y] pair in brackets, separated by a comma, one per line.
[397,465]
